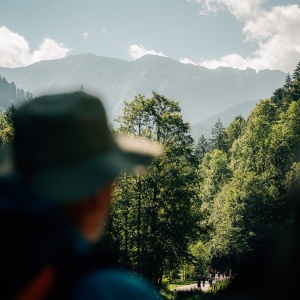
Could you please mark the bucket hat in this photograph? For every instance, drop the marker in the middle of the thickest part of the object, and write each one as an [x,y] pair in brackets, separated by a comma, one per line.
[63,146]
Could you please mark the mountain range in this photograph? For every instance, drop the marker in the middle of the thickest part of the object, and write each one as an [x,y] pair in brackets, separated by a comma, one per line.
[202,93]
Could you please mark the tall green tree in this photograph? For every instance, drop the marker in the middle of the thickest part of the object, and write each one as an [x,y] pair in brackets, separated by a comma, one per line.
[7,125]
[295,86]
[288,82]
[234,130]
[218,139]
[201,147]
[10,115]
[160,233]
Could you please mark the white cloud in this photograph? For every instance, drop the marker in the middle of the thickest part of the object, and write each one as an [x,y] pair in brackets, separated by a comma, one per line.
[85,35]
[187,61]
[48,50]
[15,50]
[276,31]
[239,8]
[137,51]
[103,29]
[232,60]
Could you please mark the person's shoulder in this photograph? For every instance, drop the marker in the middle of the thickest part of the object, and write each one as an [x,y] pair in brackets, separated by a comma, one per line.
[113,283]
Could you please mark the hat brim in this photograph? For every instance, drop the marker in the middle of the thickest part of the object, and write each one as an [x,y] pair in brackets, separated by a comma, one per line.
[69,183]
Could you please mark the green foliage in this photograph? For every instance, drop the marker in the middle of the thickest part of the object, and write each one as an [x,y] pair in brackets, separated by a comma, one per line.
[205,205]
[293,177]
[218,139]
[10,115]
[201,148]
[213,173]
[10,94]
[295,85]
[234,130]
[288,83]
[246,193]
[6,126]
[153,216]
[202,257]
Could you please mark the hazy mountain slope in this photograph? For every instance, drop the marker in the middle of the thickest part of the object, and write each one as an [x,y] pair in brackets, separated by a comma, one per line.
[201,92]
[226,117]
[99,75]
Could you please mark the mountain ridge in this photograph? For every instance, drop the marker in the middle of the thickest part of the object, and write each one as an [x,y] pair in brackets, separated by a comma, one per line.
[201,92]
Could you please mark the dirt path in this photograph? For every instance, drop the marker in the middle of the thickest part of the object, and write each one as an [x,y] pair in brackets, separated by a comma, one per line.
[193,286]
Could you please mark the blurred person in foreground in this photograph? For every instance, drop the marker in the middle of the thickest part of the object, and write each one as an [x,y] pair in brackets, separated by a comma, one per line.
[56,201]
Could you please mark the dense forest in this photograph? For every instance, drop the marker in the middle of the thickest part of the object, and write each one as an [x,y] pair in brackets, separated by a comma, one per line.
[203,204]
[208,203]
[10,94]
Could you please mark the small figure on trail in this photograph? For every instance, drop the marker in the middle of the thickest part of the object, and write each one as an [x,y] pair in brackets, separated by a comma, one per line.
[198,281]
[203,280]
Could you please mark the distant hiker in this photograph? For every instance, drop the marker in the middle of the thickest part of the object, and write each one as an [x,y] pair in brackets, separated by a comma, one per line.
[198,281]
[55,204]
[203,280]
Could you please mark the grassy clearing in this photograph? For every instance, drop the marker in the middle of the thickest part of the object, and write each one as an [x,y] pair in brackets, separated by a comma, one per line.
[175,285]
[215,288]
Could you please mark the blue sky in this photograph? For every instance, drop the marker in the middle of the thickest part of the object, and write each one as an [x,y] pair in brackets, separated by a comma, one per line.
[259,34]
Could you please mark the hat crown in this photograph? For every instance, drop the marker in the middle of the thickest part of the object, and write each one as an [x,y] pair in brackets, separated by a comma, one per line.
[60,129]
[65,150]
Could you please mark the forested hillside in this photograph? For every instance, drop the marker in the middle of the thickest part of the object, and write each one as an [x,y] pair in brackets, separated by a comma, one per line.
[208,203]
[10,94]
